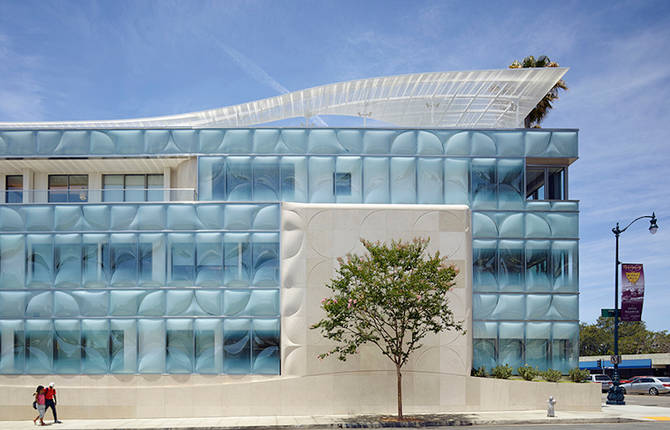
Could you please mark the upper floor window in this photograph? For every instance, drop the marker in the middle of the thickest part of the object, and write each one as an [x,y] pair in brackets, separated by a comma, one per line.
[546,183]
[14,189]
[68,188]
[342,183]
[132,188]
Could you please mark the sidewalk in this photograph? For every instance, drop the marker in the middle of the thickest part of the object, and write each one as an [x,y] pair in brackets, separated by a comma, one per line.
[608,414]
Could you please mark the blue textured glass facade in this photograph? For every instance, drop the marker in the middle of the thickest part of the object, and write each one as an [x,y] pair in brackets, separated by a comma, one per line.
[194,287]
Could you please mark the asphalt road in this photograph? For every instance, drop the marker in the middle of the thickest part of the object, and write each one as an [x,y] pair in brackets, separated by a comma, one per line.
[662,400]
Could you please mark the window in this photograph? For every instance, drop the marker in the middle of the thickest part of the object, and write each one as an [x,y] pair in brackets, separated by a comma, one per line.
[132,188]
[14,189]
[342,184]
[68,188]
[546,183]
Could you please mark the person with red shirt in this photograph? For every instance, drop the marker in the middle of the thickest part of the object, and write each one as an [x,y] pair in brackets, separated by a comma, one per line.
[50,396]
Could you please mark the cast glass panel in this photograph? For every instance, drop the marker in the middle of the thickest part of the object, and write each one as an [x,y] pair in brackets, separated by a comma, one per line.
[151,346]
[67,346]
[123,346]
[209,252]
[39,346]
[430,186]
[40,258]
[484,189]
[265,348]
[12,346]
[511,344]
[95,342]
[237,346]
[179,343]
[208,347]
[266,179]
[376,185]
[95,260]
[238,178]
[67,260]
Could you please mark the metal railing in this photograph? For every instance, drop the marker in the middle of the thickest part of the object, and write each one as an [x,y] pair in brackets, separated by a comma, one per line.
[106,195]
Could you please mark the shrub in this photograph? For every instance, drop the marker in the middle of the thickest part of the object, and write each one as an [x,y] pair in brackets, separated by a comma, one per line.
[528,373]
[502,371]
[578,375]
[481,372]
[551,375]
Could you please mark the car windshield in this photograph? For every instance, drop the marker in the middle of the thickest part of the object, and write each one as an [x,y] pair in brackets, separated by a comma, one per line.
[602,378]
[664,379]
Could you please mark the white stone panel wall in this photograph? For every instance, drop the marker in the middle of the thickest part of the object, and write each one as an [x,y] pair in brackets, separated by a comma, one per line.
[315,235]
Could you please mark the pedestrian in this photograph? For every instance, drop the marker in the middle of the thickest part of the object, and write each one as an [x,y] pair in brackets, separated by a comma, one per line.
[40,400]
[50,397]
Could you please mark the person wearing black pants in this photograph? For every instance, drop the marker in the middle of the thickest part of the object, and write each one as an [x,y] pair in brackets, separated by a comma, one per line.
[51,402]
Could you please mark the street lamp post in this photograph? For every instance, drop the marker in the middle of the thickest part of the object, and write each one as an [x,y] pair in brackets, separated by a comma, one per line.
[615,396]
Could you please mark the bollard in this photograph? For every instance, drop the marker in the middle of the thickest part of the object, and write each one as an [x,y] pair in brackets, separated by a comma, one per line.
[550,406]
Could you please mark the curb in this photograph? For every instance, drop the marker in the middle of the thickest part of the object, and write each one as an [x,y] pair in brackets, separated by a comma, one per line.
[374,423]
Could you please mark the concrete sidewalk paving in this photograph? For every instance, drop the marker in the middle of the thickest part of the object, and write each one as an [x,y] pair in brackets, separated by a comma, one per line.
[608,414]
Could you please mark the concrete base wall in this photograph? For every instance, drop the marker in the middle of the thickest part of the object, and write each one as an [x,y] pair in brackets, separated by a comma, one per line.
[367,392]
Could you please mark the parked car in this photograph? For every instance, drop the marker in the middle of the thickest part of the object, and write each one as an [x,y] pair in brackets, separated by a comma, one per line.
[653,385]
[604,380]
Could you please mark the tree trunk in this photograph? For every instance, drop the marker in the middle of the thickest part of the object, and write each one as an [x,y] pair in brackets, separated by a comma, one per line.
[526,122]
[399,378]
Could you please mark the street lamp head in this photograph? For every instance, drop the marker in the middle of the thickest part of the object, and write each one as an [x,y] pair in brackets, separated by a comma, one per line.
[653,227]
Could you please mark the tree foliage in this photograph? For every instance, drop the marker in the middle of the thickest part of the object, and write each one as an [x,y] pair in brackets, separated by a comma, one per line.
[392,297]
[539,112]
[634,338]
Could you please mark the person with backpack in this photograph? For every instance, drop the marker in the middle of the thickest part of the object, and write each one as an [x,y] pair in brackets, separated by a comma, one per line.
[50,397]
[39,404]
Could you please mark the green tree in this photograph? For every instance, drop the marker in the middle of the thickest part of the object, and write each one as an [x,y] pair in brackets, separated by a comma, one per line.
[392,297]
[593,340]
[634,338]
[539,112]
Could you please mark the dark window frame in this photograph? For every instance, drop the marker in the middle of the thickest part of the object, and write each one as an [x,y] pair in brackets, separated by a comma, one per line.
[17,192]
[546,168]
[68,191]
[341,183]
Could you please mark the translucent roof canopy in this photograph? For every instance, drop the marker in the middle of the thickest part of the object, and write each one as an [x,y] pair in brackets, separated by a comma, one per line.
[467,99]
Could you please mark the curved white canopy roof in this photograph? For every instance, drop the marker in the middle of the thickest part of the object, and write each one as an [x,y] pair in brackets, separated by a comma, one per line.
[467,99]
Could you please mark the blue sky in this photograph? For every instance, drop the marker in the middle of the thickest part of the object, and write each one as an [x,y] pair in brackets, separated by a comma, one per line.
[81,60]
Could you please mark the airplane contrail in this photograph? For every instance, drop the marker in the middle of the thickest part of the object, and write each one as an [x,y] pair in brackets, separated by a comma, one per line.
[258,74]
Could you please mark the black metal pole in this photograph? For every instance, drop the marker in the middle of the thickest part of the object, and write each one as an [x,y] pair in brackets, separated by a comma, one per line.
[615,395]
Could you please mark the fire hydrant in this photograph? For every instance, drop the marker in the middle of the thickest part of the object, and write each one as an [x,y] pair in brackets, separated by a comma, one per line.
[550,406]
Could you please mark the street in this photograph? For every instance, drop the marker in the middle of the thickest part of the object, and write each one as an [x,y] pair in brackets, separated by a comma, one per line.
[662,400]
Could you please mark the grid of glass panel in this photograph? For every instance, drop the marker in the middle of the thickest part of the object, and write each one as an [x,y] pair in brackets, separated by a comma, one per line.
[273,141]
[181,288]
[150,288]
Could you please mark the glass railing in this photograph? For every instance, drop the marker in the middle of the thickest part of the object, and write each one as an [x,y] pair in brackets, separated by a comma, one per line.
[106,195]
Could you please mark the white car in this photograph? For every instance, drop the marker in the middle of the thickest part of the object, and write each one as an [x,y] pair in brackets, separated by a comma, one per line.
[653,385]
[605,381]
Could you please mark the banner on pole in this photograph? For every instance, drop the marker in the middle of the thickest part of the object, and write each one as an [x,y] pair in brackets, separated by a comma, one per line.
[632,292]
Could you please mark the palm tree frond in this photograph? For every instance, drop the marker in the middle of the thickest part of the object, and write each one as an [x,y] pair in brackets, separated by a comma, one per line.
[540,111]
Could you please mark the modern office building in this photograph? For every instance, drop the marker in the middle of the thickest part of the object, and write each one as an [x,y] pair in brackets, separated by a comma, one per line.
[199,244]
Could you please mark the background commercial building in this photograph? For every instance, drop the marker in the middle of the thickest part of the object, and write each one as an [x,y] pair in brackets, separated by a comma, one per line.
[199,244]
